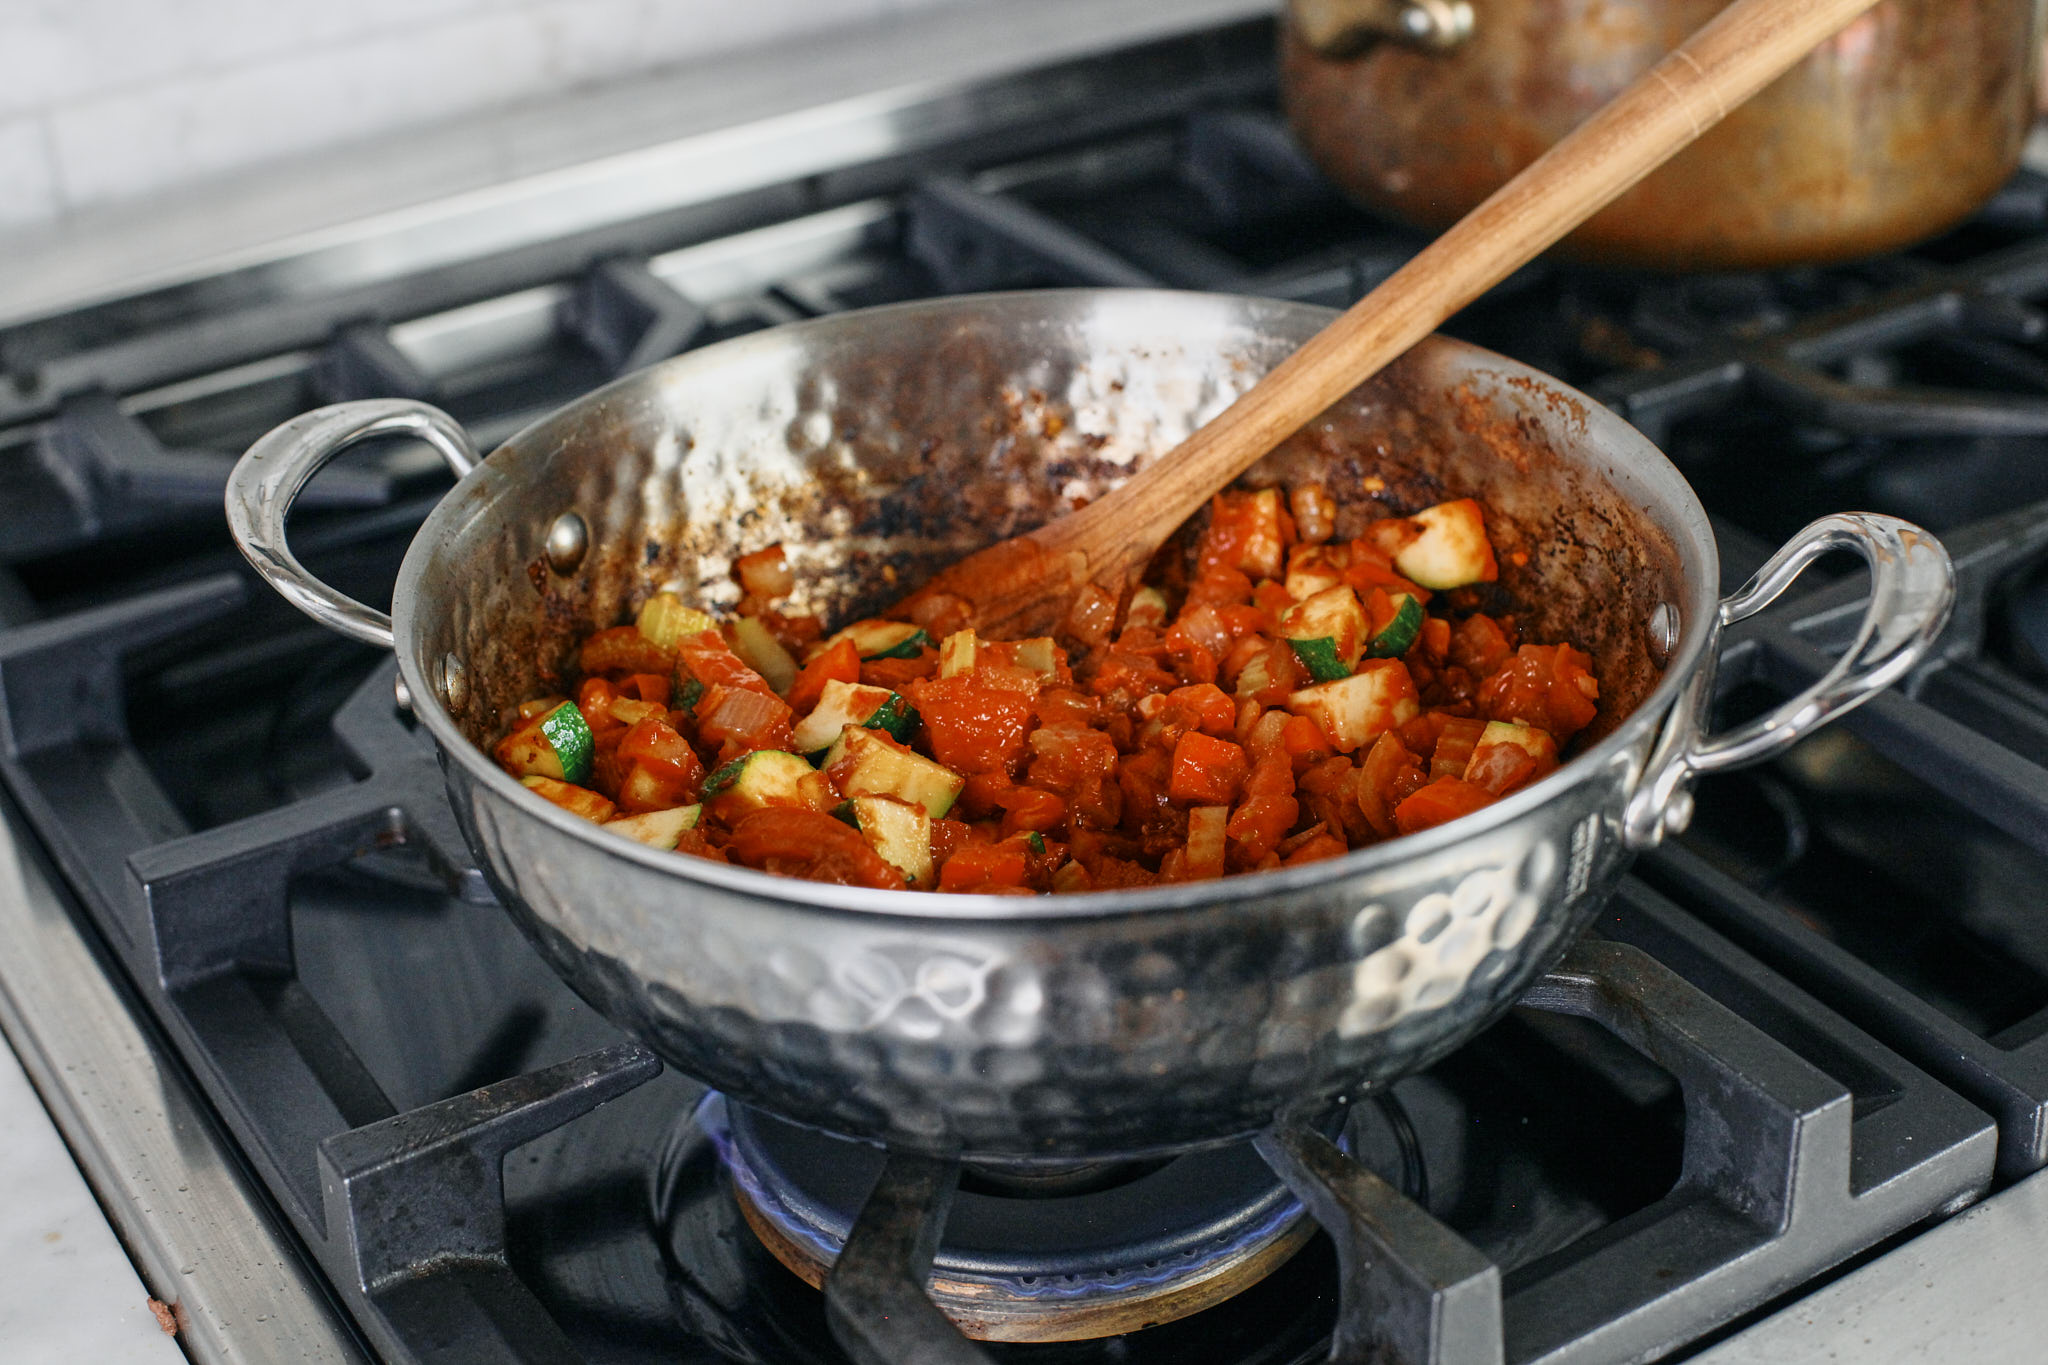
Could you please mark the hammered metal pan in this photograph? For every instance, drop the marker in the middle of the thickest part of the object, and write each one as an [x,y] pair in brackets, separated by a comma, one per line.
[879,445]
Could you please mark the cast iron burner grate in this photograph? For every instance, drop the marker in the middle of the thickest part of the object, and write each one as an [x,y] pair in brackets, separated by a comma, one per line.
[1928,807]
[406,1205]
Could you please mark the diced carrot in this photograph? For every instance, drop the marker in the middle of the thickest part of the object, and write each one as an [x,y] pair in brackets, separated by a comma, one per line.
[840,662]
[1438,803]
[984,867]
[1303,739]
[652,687]
[1321,846]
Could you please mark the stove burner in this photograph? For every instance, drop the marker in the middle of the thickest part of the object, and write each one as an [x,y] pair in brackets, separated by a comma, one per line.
[1029,1253]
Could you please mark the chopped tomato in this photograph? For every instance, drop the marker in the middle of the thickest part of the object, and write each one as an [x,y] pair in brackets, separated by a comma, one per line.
[1215,712]
[806,843]
[664,770]
[1454,745]
[741,720]
[594,699]
[1262,820]
[710,662]
[898,674]
[972,727]
[1548,686]
[1389,776]
[1207,771]
[1479,645]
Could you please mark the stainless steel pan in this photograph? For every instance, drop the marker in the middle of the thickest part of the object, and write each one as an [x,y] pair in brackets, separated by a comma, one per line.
[879,445]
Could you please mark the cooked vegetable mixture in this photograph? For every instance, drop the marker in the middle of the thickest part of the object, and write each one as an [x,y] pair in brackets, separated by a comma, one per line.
[1301,702]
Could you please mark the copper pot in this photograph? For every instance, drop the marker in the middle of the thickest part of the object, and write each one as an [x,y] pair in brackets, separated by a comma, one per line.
[1889,133]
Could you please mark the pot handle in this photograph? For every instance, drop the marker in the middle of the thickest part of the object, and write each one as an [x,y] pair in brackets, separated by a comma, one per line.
[268,478]
[1346,28]
[1912,589]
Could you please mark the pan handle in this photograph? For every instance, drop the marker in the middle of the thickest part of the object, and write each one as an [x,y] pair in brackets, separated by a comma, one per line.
[268,478]
[1912,589]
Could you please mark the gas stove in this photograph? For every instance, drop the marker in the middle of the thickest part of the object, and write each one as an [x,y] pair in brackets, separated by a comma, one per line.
[339,1109]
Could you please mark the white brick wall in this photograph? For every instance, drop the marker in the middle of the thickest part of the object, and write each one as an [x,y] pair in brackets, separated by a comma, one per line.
[103,100]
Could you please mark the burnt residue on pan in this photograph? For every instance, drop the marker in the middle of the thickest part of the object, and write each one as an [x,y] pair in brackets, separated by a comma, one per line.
[878,456]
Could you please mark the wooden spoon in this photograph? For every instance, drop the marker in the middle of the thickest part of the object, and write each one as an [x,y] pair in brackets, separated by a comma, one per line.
[1075,572]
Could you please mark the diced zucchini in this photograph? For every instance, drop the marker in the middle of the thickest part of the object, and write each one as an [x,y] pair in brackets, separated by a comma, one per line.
[1072,878]
[1355,711]
[569,736]
[1148,608]
[1205,840]
[957,652]
[767,777]
[688,690]
[657,828]
[1257,676]
[763,653]
[900,832]
[882,639]
[1327,631]
[664,619]
[843,704]
[1530,740]
[1037,656]
[526,753]
[1399,634]
[1309,571]
[1452,550]
[866,763]
[576,800]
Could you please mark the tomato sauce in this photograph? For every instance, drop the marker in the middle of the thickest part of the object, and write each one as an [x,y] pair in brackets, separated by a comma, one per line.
[1302,698]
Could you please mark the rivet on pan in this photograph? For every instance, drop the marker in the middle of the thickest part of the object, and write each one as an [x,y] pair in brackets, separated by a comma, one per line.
[1663,633]
[568,539]
[401,694]
[454,682]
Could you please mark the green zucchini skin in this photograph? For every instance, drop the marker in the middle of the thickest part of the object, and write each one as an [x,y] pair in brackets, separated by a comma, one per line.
[1401,632]
[570,736]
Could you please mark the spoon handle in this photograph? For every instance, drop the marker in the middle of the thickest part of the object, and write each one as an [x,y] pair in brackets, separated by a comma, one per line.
[1747,46]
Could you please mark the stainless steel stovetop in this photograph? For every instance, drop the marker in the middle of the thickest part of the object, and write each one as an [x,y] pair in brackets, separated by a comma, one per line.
[338,1110]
